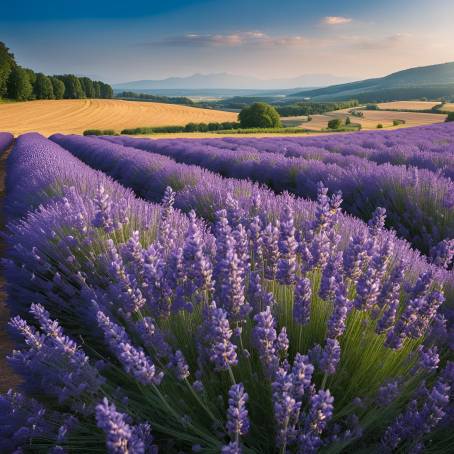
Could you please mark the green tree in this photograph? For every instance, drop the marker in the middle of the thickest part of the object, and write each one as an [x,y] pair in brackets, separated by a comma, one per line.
[7,64]
[450,116]
[106,91]
[73,87]
[347,121]
[259,115]
[43,88]
[19,86]
[335,123]
[58,88]
[88,87]
[97,88]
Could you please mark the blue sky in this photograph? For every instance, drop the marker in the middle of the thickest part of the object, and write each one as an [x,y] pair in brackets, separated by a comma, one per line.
[120,41]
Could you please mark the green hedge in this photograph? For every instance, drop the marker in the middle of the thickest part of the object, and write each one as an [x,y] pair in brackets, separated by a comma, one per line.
[99,132]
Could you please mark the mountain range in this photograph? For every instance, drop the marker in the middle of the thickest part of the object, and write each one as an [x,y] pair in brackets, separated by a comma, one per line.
[232,81]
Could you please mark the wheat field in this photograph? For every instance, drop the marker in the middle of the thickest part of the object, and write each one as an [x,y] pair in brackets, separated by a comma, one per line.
[410,105]
[73,116]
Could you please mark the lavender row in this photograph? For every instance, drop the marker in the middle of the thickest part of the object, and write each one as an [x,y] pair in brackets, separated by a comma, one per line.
[426,147]
[149,174]
[263,338]
[419,202]
[6,139]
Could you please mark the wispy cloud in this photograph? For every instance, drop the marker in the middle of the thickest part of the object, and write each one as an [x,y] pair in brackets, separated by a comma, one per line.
[388,42]
[247,38]
[336,20]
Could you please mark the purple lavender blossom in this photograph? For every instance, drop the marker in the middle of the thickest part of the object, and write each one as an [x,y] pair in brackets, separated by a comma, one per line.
[216,334]
[443,253]
[103,218]
[237,414]
[337,321]
[330,356]
[133,359]
[121,438]
[287,263]
[271,250]
[321,411]
[302,301]
[180,365]
[264,336]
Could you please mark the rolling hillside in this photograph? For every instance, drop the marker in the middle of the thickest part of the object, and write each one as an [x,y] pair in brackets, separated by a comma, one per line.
[430,81]
[73,116]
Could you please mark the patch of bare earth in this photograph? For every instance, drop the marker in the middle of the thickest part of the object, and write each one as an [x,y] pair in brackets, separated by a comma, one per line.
[8,379]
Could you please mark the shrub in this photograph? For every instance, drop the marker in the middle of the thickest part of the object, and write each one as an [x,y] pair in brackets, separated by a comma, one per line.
[347,121]
[259,115]
[99,132]
[398,122]
[379,126]
[450,116]
[372,107]
[335,123]
[213,126]
[191,127]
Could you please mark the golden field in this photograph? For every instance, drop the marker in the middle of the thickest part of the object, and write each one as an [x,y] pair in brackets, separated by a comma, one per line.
[73,116]
[448,107]
[371,119]
[411,105]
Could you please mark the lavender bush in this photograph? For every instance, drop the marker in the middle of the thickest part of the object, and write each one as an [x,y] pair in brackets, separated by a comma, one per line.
[420,203]
[6,139]
[262,336]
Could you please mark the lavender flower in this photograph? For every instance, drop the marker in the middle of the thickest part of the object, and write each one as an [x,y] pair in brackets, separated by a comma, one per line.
[121,438]
[197,269]
[428,358]
[377,223]
[180,366]
[271,250]
[330,356]
[337,321]
[264,335]
[443,253]
[103,215]
[133,359]
[287,248]
[237,414]
[216,334]
[321,411]
[416,421]
[387,393]
[302,301]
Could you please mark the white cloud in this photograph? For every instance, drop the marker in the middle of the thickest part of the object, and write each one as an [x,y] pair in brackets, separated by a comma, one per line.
[336,20]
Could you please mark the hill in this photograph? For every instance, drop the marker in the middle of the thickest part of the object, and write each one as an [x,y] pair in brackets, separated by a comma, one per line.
[429,81]
[76,115]
[231,81]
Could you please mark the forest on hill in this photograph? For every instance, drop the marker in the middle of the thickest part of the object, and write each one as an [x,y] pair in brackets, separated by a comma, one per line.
[24,84]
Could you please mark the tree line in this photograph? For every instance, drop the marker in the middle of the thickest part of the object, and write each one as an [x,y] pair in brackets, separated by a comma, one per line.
[23,84]
[131,95]
[313,108]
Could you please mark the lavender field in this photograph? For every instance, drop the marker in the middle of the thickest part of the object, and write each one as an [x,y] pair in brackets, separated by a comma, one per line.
[284,295]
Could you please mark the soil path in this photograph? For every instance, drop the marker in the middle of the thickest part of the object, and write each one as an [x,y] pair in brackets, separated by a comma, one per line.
[7,377]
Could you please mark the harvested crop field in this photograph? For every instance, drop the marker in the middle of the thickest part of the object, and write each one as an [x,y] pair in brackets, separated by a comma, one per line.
[372,118]
[73,116]
[411,105]
[448,107]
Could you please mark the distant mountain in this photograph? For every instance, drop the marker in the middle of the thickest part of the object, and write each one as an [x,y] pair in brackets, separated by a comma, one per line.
[231,81]
[435,80]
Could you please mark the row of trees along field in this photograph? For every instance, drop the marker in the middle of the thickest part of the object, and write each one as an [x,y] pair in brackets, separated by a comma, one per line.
[24,84]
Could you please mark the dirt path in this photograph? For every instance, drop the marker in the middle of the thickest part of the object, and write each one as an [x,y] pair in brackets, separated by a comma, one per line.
[7,378]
